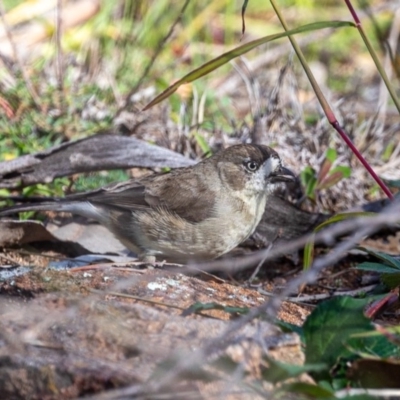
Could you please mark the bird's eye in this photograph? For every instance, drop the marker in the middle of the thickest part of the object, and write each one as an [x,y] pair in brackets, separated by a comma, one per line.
[251,165]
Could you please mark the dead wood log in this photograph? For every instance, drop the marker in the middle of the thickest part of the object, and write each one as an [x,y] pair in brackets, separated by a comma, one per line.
[95,153]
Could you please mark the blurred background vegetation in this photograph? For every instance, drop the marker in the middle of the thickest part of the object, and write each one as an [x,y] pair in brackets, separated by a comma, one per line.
[73,67]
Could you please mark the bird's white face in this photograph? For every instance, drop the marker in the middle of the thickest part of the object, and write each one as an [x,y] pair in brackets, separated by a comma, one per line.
[259,180]
[252,170]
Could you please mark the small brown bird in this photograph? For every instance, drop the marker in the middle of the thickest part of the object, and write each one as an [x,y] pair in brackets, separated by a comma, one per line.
[194,213]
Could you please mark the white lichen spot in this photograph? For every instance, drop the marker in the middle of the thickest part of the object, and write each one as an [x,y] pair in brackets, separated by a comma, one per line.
[171,282]
[156,286]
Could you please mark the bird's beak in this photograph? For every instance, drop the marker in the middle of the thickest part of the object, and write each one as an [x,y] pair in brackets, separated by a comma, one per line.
[282,174]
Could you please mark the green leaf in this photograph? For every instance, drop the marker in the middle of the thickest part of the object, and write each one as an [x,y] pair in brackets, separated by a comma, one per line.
[391,280]
[308,254]
[332,333]
[330,326]
[198,306]
[386,258]
[309,247]
[309,181]
[195,372]
[395,183]
[331,155]
[344,169]
[375,346]
[226,364]
[288,327]
[330,180]
[342,217]
[226,57]
[278,371]
[205,148]
[307,174]
[323,172]
[310,188]
[336,175]
[311,391]
[376,267]
[244,6]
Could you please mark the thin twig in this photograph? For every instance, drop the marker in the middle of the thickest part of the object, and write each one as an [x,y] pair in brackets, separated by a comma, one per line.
[257,270]
[323,296]
[130,296]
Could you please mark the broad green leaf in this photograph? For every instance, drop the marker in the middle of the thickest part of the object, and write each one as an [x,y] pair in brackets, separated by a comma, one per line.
[386,258]
[332,333]
[388,330]
[377,346]
[376,267]
[329,327]
[238,51]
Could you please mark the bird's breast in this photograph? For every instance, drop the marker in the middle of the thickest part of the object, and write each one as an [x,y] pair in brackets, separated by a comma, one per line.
[164,234]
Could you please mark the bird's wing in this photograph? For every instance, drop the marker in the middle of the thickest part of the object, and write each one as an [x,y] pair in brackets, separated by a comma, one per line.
[180,192]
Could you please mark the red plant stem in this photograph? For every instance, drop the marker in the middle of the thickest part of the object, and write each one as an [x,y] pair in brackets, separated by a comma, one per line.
[344,135]
[353,12]
[324,104]
[353,148]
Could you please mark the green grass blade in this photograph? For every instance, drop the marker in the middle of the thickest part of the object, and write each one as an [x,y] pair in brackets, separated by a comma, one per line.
[309,247]
[238,51]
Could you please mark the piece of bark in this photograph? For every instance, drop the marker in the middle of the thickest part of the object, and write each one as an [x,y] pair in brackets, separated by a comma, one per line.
[95,153]
[18,233]
[14,233]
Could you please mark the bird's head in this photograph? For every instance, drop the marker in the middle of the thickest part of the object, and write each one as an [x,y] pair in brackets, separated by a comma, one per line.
[252,168]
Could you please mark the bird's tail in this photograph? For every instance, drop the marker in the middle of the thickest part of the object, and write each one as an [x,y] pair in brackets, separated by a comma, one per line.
[79,207]
[45,206]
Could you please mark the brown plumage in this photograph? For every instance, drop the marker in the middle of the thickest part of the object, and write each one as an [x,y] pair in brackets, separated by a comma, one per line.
[198,212]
